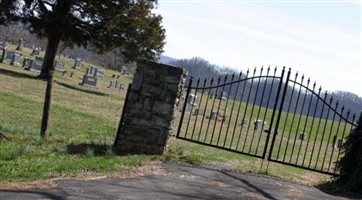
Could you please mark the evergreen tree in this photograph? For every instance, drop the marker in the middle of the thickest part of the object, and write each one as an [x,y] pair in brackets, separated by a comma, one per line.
[101,25]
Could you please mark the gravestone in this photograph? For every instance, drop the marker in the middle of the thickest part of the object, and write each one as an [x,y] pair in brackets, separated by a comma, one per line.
[302,136]
[193,100]
[99,73]
[116,85]
[72,74]
[222,96]
[20,44]
[125,71]
[35,52]
[89,81]
[27,63]
[9,55]
[112,84]
[15,61]
[244,122]
[59,66]
[259,125]
[77,63]
[199,111]
[37,64]
[213,115]
[187,107]
[119,85]
[95,71]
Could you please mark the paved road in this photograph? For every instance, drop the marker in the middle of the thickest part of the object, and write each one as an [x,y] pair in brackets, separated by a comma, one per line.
[172,181]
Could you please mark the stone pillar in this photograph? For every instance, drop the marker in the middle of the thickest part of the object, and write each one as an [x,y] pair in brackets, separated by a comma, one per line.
[150,108]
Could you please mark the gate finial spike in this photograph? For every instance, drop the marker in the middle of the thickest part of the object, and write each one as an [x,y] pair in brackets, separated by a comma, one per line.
[302,78]
[296,76]
[254,71]
[331,100]
[314,85]
[325,95]
[261,70]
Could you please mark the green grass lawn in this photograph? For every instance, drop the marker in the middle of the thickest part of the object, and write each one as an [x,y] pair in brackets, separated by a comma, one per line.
[83,128]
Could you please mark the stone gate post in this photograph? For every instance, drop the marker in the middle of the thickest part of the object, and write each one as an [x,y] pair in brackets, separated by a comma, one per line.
[151,104]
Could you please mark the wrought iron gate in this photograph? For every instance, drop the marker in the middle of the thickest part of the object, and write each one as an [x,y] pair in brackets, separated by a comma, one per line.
[266,115]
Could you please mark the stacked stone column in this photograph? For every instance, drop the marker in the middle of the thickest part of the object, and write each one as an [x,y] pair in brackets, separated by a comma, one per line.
[151,104]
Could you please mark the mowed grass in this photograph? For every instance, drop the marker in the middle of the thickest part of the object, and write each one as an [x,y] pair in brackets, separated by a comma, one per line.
[83,128]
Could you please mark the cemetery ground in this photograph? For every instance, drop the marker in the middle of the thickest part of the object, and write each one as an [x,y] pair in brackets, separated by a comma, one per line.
[82,131]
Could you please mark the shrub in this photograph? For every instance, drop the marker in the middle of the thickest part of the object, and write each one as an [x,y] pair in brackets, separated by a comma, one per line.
[350,165]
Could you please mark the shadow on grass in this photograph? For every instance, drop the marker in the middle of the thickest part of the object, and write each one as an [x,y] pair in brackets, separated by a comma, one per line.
[81,89]
[18,74]
[337,189]
[89,149]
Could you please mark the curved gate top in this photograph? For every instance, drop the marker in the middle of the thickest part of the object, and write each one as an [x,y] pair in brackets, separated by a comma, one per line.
[267,114]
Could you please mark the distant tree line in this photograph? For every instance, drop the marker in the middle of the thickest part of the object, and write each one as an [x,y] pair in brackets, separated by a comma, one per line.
[302,97]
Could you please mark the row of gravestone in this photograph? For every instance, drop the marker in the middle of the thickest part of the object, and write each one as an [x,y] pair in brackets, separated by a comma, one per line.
[89,78]
[92,75]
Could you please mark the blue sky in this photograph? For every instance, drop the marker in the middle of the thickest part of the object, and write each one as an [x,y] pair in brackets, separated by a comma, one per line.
[321,39]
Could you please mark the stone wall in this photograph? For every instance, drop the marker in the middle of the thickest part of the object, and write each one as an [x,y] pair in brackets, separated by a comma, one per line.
[151,104]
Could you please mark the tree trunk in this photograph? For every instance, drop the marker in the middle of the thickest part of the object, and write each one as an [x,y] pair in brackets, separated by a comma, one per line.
[48,72]
[50,53]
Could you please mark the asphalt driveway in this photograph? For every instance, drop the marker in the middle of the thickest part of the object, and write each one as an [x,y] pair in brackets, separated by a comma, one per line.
[169,181]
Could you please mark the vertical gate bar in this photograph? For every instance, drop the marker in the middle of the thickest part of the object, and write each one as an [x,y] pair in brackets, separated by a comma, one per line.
[218,108]
[306,121]
[319,124]
[330,133]
[252,110]
[324,132]
[299,121]
[237,116]
[203,116]
[335,137]
[280,110]
[286,119]
[196,116]
[267,104]
[260,108]
[246,109]
[223,119]
[232,110]
[190,113]
[123,114]
[212,107]
[184,108]
[344,131]
[312,125]
[274,110]
[294,117]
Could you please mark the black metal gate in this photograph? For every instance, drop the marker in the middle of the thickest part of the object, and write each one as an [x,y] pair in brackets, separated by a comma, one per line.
[266,115]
